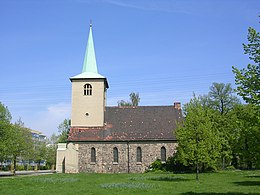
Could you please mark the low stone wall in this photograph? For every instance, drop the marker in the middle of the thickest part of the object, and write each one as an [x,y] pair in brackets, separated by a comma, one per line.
[127,156]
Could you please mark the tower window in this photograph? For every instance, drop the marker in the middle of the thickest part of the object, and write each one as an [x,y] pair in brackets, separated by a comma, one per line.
[163,154]
[93,155]
[87,89]
[115,151]
[138,154]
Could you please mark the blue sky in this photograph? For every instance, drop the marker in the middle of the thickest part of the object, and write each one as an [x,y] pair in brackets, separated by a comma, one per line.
[163,49]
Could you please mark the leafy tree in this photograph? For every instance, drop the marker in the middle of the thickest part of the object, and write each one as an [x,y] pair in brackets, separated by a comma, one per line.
[134,100]
[124,103]
[246,150]
[64,129]
[5,125]
[39,153]
[53,140]
[248,79]
[198,144]
[5,115]
[19,143]
[221,97]
[51,151]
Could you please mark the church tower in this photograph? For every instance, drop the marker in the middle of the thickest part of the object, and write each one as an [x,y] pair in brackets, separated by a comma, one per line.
[88,92]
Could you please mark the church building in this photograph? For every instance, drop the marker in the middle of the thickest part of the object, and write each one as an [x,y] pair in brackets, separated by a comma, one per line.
[113,139]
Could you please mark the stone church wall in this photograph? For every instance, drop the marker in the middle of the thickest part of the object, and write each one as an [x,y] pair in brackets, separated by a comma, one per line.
[127,156]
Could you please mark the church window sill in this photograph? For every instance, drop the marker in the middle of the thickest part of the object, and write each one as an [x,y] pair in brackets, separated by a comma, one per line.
[115,163]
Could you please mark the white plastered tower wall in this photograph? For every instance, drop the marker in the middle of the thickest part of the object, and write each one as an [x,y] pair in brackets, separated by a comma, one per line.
[87,108]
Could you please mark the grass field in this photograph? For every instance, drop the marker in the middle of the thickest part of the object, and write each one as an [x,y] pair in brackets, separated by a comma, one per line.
[228,182]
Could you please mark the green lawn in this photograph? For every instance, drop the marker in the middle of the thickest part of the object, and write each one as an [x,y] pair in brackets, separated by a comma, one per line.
[228,182]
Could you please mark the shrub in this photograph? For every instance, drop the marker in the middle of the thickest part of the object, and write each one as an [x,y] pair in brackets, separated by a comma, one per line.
[230,168]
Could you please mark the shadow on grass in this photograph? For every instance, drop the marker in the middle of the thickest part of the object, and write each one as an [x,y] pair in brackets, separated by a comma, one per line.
[248,183]
[214,193]
[173,179]
[254,176]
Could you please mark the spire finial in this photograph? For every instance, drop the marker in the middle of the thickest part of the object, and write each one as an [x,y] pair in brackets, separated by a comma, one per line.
[90,23]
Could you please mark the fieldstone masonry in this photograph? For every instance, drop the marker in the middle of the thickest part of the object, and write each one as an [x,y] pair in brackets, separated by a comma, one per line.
[127,161]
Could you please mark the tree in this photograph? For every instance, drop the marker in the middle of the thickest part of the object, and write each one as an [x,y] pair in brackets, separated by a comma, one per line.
[198,144]
[39,152]
[20,143]
[123,103]
[5,115]
[64,129]
[221,97]
[246,144]
[134,100]
[248,79]
[5,125]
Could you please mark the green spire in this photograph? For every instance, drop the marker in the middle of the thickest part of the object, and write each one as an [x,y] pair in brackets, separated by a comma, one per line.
[90,64]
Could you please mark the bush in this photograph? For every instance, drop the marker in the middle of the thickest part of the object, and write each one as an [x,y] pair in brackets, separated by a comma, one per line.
[173,165]
[19,167]
[230,168]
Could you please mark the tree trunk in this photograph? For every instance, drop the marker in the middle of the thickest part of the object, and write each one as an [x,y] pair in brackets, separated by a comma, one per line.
[223,163]
[14,161]
[197,171]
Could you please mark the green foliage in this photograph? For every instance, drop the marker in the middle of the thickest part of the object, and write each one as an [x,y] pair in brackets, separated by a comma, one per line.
[123,103]
[230,168]
[134,100]
[157,165]
[248,79]
[247,136]
[5,125]
[19,143]
[198,144]
[64,129]
[51,151]
[221,98]
[39,152]
[5,115]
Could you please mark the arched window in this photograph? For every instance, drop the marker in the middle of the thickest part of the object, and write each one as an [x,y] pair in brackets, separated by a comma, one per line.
[138,154]
[163,154]
[87,89]
[115,151]
[93,154]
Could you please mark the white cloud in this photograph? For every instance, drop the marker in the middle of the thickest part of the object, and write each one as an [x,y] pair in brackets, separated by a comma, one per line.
[48,120]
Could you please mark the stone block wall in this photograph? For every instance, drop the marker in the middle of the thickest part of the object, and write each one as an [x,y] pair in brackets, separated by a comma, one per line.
[127,156]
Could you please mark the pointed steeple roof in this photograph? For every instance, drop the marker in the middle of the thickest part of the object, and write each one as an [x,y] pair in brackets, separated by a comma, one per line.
[90,64]
[89,69]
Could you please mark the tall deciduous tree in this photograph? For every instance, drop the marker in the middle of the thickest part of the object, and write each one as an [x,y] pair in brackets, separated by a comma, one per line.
[19,143]
[5,125]
[221,97]
[134,100]
[198,144]
[5,115]
[248,79]
[247,148]
[64,129]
